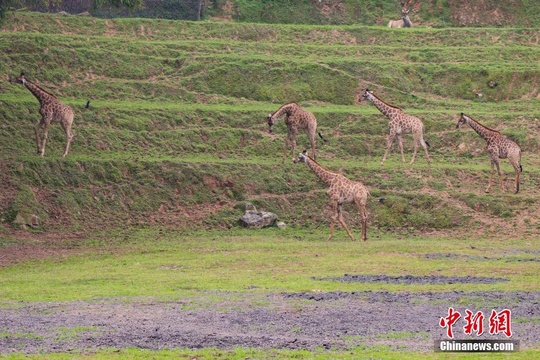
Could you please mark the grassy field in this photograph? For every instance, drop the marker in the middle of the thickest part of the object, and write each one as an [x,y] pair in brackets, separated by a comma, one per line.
[175,142]
[273,261]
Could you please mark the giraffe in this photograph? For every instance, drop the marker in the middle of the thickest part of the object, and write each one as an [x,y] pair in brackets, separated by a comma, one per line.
[499,147]
[296,118]
[51,111]
[405,21]
[400,123]
[341,190]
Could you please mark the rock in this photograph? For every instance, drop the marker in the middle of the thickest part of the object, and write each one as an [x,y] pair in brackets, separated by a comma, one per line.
[24,220]
[256,219]
[281,225]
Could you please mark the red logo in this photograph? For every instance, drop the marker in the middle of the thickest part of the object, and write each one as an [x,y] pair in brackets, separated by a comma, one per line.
[448,321]
[475,323]
[499,322]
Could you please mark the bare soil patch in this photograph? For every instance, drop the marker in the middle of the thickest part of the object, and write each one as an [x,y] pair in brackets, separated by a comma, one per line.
[410,279]
[338,320]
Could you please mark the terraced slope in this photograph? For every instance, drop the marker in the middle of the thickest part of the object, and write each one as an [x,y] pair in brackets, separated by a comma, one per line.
[175,133]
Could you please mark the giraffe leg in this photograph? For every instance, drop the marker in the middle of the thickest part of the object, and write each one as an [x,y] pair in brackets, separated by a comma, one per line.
[400,143]
[312,141]
[333,220]
[424,145]
[503,188]
[361,207]
[287,147]
[293,142]
[515,162]
[342,222]
[44,139]
[389,143]
[69,138]
[490,176]
[420,139]
[38,137]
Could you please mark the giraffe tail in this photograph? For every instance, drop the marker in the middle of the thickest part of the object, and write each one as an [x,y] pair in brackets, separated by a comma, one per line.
[321,136]
[520,168]
[427,144]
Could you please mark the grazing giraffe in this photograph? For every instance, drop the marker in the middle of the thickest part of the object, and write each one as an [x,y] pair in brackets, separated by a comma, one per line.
[51,111]
[400,123]
[296,118]
[405,21]
[341,190]
[499,147]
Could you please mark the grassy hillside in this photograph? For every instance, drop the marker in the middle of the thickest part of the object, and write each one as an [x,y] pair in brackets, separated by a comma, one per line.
[440,13]
[175,134]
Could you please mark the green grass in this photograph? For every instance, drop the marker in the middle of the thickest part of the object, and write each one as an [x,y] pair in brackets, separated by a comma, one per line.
[376,352]
[272,261]
[368,353]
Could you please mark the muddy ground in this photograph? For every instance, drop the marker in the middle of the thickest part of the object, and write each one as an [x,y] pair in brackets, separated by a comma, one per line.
[338,320]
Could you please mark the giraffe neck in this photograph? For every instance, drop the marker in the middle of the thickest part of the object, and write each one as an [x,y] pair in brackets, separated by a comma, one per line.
[38,92]
[324,175]
[484,132]
[285,109]
[388,110]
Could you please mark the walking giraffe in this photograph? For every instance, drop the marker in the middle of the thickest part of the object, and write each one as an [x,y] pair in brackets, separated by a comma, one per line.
[296,118]
[51,111]
[499,147]
[400,123]
[341,190]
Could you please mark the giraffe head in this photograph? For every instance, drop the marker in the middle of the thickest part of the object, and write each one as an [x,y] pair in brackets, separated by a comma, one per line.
[462,120]
[302,157]
[18,79]
[271,121]
[368,95]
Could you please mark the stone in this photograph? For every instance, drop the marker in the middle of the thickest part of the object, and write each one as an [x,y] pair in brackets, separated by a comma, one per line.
[257,219]
[281,225]
[24,220]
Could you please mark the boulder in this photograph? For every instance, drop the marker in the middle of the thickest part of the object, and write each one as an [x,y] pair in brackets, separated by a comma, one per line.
[24,220]
[257,219]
